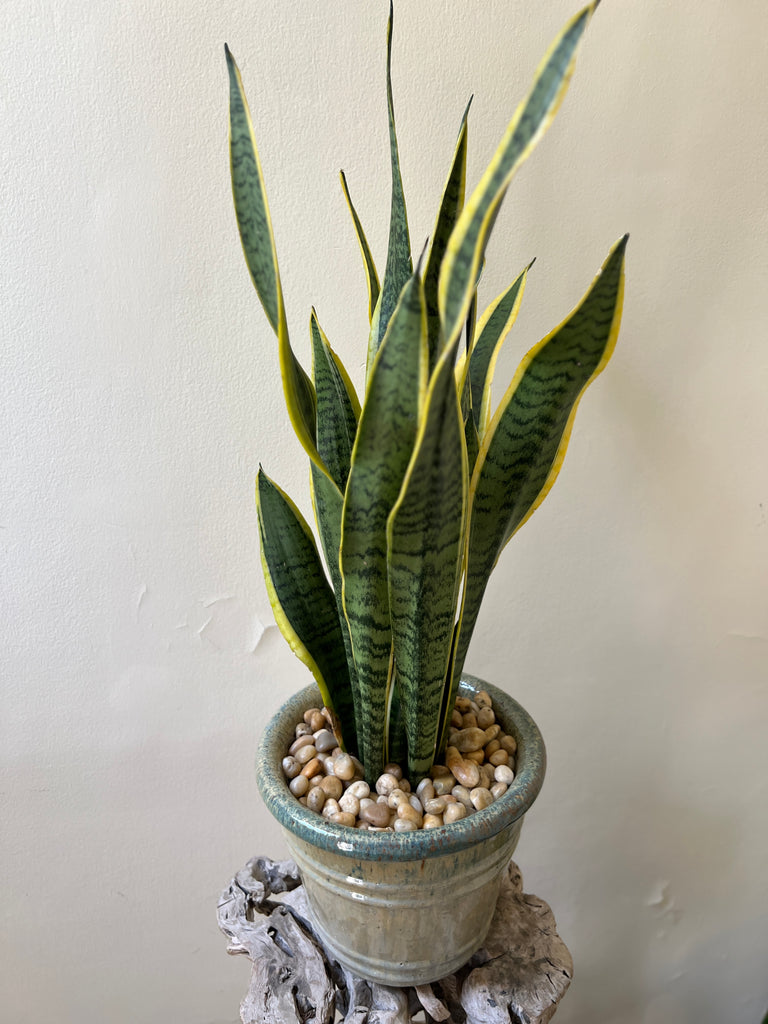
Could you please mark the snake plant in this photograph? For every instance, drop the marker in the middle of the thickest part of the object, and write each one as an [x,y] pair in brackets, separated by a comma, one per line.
[416,491]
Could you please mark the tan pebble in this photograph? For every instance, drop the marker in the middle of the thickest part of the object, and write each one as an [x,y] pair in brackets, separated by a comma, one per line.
[492,747]
[466,773]
[395,798]
[302,729]
[425,790]
[435,806]
[343,818]
[405,825]
[405,785]
[386,783]
[303,801]
[386,828]
[499,757]
[470,738]
[363,825]
[469,720]
[335,752]
[325,741]
[359,789]
[454,812]
[375,814]
[508,743]
[462,704]
[333,787]
[503,773]
[350,804]
[481,798]
[478,756]
[444,784]
[343,767]
[299,785]
[311,768]
[316,780]
[365,802]
[316,799]
[305,755]
[491,733]
[483,699]
[485,717]
[291,767]
[330,807]
[301,741]
[316,721]
[498,789]
[393,769]
[487,777]
[308,714]
[432,821]
[437,770]
[456,718]
[461,793]
[473,705]
[407,813]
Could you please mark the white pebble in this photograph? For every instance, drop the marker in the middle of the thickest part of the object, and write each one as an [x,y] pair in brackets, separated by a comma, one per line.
[504,773]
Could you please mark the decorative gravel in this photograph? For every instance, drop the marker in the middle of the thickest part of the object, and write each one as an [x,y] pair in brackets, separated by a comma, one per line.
[479,767]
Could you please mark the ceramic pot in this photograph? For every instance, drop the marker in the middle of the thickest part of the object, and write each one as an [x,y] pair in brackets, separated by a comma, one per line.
[403,908]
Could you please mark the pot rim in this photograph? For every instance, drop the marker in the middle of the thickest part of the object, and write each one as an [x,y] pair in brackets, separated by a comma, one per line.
[402,846]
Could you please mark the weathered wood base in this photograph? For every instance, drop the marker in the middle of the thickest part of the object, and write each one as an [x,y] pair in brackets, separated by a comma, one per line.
[518,977]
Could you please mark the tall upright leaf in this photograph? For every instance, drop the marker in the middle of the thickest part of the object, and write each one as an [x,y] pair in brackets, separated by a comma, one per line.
[534,115]
[301,599]
[371,277]
[491,332]
[450,207]
[399,266]
[425,536]
[337,407]
[525,444]
[385,437]
[255,227]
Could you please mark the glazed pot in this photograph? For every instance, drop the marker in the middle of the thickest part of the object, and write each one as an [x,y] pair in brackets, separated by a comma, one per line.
[403,908]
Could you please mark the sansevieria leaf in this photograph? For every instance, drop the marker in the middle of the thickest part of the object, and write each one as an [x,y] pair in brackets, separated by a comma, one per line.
[491,332]
[255,226]
[337,407]
[425,540]
[450,207]
[385,437]
[302,601]
[525,444]
[470,236]
[399,266]
[371,277]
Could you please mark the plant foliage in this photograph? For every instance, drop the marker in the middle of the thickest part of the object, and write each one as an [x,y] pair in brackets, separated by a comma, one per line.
[417,492]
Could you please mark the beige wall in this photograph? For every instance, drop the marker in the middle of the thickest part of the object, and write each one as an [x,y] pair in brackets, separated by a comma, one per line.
[630,615]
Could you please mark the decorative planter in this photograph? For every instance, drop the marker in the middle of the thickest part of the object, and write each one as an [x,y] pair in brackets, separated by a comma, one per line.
[403,908]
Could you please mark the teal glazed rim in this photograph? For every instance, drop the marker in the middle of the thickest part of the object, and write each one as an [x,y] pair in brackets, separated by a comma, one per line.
[360,844]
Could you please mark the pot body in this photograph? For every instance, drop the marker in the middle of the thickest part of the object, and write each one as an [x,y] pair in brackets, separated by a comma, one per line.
[403,908]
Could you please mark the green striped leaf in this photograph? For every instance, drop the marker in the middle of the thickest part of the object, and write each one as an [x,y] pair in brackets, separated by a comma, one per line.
[337,407]
[425,544]
[327,503]
[525,444]
[491,332]
[385,437]
[450,208]
[371,277]
[534,115]
[302,601]
[399,267]
[255,227]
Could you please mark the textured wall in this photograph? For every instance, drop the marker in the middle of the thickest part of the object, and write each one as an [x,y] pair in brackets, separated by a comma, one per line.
[630,615]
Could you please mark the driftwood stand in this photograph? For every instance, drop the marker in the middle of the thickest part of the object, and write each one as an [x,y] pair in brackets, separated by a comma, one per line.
[518,977]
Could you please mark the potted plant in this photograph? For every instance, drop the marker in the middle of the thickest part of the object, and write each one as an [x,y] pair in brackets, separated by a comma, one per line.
[416,490]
